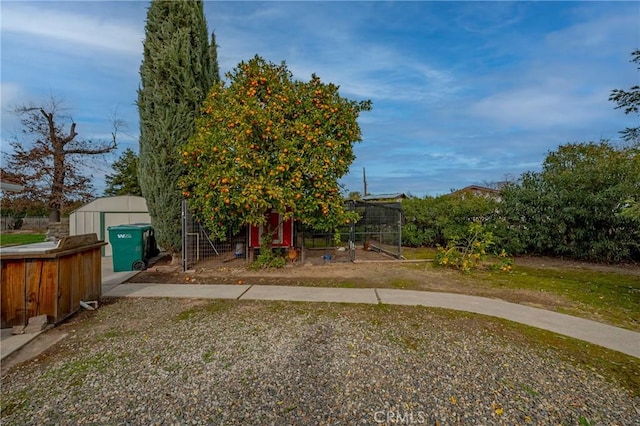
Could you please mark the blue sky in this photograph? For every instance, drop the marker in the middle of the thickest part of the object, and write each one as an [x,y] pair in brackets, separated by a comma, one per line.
[463,92]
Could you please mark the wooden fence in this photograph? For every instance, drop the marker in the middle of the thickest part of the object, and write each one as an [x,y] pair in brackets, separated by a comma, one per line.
[49,279]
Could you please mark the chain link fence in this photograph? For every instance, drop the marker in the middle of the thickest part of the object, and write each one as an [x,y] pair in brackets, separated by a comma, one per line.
[198,246]
[32,223]
[379,227]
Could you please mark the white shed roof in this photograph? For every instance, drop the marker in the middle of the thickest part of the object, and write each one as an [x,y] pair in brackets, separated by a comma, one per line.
[9,186]
[121,203]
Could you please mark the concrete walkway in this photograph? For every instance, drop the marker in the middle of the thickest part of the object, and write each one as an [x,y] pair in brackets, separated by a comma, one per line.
[618,339]
[615,338]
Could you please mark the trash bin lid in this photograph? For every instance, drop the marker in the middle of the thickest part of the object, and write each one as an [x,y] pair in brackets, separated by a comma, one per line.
[131,227]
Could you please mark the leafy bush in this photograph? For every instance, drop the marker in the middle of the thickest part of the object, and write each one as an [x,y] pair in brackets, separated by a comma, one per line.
[581,205]
[503,263]
[267,259]
[413,236]
[470,251]
[433,221]
[466,252]
[584,204]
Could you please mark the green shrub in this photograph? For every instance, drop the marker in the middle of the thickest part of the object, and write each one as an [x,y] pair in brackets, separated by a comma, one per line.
[267,259]
[469,252]
[431,221]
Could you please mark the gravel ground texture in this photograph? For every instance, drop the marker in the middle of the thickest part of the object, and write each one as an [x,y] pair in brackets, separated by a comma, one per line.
[179,361]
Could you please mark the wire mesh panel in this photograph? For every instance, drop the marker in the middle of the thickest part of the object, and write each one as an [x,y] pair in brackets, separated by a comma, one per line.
[321,240]
[330,247]
[198,246]
[379,227]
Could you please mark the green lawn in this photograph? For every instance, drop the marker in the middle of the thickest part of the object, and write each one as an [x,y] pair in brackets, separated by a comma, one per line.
[19,239]
[611,296]
[614,296]
[419,253]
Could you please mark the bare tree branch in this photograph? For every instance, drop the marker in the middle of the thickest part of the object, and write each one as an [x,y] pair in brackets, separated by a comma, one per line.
[51,172]
[105,150]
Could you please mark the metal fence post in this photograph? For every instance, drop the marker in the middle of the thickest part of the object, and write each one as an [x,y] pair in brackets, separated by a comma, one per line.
[184,235]
[352,234]
[400,233]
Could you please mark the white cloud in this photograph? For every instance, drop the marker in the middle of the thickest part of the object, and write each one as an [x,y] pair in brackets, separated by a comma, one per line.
[597,33]
[380,73]
[479,18]
[538,106]
[59,26]
[333,41]
[565,80]
[11,94]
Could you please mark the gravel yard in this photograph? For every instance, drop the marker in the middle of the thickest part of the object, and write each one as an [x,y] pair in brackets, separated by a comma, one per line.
[172,361]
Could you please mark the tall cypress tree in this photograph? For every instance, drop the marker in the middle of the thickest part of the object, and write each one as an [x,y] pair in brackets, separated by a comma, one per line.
[213,52]
[178,68]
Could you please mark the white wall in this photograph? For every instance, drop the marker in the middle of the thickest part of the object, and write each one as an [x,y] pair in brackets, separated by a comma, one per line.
[97,216]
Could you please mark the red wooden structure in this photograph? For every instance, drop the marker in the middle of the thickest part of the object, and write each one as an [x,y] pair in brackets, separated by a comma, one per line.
[282,234]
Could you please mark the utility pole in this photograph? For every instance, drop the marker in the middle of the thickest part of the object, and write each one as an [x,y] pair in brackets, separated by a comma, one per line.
[364,179]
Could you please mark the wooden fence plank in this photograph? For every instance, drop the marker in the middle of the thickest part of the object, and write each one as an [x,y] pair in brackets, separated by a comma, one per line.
[65,274]
[12,294]
[41,282]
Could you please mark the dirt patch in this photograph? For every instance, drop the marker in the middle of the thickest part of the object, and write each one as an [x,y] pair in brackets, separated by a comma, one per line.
[316,266]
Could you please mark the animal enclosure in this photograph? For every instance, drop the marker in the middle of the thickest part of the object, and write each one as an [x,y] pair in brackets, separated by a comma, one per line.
[379,229]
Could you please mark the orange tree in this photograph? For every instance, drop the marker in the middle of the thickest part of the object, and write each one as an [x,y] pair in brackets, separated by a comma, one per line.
[266,142]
